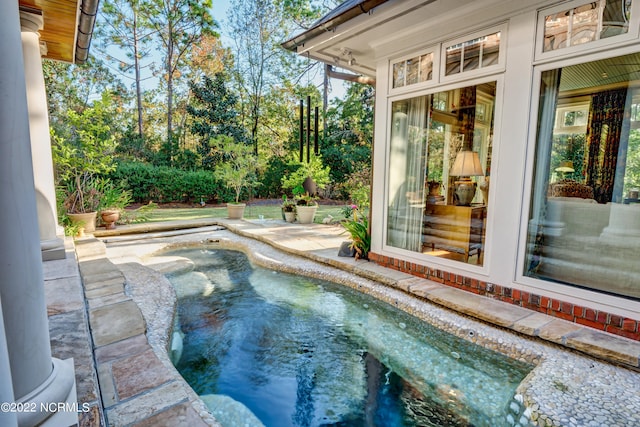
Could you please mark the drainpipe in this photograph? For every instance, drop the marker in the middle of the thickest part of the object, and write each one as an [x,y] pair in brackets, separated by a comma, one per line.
[88,13]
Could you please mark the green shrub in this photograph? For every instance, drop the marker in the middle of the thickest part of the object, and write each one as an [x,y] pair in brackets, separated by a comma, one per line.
[163,184]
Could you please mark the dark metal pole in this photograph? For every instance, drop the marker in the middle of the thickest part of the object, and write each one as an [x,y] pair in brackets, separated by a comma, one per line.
[301,128]
[308,128]
[315,132]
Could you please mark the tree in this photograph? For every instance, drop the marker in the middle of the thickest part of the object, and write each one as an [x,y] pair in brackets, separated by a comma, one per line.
[73,87]
[82,152]
[214,113]
[123,27]
[179,25]
[349,134]
[257,27]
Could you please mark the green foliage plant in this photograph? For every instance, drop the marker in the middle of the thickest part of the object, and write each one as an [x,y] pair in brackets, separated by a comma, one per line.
[240,166]
[288,205]
[315,169]
[82,154]
[306,200]
[113,197]
[358,229]
[165,184]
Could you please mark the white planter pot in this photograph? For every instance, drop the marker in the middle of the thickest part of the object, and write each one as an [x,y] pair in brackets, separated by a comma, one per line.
[235,210]
[289,216]
[306,214]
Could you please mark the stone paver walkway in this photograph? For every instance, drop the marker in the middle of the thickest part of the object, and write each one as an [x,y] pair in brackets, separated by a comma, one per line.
[139,386]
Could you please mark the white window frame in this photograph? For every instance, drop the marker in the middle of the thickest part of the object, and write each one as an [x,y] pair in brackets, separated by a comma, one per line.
[619,40]
[472,74]
[417,257]
[570,293]
[435,79]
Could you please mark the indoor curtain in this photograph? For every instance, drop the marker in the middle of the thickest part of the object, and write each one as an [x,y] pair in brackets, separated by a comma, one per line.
[606,119]
[407,169]
[549,88]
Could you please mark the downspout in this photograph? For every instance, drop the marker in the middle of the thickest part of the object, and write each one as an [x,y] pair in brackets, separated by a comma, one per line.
[88,13]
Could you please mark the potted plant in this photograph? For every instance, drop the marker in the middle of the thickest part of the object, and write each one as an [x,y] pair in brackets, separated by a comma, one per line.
[306,208]
[113,200]
[358,229]
[288,209]
[81,199]
[237,171]
[81,153]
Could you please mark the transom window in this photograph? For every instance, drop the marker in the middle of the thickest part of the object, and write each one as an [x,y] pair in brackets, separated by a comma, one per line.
[586,23]
[472,54]
[414,70]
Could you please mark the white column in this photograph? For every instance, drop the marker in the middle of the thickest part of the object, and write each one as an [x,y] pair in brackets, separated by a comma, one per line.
[35,376]
[7,418]
[51,245]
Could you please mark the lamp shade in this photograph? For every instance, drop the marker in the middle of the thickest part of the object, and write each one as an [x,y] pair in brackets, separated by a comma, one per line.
[566,166]
[467,163]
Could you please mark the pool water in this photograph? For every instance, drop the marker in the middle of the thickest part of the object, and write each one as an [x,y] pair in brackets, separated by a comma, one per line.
[295,351]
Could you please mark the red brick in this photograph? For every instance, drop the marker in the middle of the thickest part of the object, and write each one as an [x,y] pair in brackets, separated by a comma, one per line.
[524,296]
[618,331]
[545,302]
[474,283]
[629,325]
[561,315]
[555,305]
[590,323]
[516,294]
[602,317]
[566,308]
[482,286]
[615,320]
[578,311]
[590,314]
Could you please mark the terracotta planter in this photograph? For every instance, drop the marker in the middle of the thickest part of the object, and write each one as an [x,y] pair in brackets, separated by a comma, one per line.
[235,210]
[86,221]
[306,213]
[109,217]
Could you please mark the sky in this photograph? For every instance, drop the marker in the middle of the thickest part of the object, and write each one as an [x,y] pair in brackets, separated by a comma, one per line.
[219,12]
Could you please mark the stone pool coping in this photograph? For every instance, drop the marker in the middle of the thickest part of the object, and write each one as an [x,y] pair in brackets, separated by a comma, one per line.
[565,388]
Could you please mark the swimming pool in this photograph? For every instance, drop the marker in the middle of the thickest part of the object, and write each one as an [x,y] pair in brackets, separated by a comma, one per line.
[304,352]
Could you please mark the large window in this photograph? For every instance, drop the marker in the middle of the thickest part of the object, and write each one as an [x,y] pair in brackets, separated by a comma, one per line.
[438,179]
[584,220]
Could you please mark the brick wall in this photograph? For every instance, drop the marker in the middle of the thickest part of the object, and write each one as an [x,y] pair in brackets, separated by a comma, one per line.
[597,319]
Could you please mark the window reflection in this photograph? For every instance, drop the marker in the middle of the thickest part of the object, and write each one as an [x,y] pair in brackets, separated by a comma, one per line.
[430,137]
[412,71]
[473,54]
[586,23]
[584,222]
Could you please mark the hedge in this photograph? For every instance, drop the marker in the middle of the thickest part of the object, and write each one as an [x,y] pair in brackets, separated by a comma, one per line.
[162,184]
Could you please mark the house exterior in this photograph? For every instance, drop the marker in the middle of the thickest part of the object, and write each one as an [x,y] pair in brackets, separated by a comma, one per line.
[506,158]
[35,388]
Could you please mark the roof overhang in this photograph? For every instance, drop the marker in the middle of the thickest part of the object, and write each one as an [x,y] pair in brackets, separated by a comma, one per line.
[68,27]
[360,33]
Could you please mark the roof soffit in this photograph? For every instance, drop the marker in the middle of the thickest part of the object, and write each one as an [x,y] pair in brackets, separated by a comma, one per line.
[398,27]
[60,25]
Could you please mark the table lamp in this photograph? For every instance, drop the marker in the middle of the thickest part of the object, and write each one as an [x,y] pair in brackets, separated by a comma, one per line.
[466,165]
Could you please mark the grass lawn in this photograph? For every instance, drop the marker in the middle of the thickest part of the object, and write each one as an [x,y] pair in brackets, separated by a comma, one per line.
[252,211]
